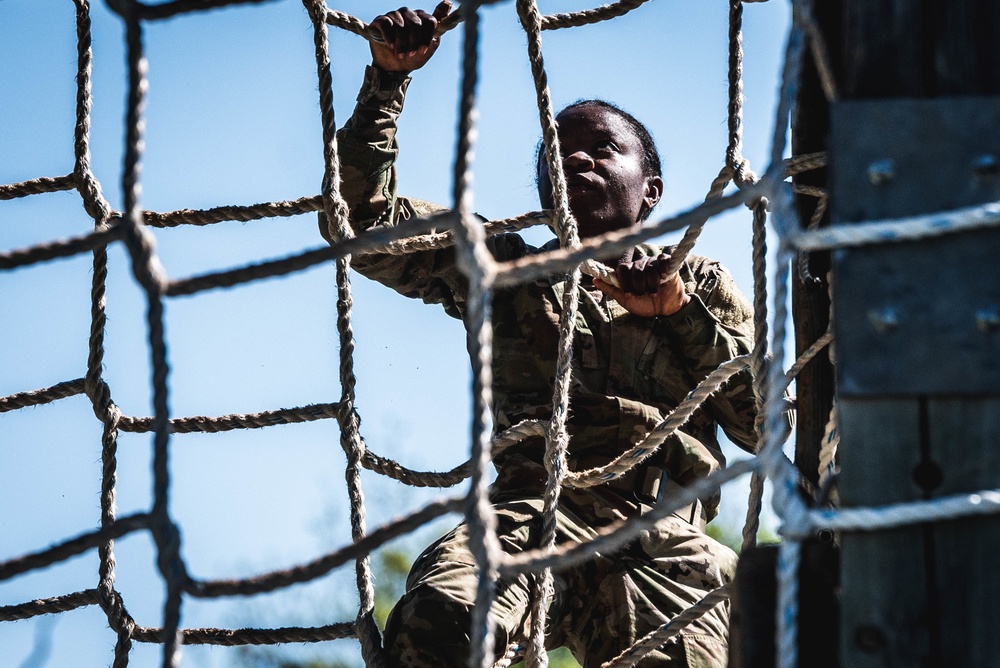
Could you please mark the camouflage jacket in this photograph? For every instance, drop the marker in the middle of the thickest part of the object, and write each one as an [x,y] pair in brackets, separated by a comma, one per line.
[629,372]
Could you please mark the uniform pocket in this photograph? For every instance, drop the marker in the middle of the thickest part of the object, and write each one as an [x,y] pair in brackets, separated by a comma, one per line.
[702,651]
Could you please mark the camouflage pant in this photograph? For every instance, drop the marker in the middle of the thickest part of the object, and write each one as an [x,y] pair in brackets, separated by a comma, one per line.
[599,609]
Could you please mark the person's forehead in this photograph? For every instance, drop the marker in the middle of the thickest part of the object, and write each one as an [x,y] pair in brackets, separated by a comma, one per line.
[594,120]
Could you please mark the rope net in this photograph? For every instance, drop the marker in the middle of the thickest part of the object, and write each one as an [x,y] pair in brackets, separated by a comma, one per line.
[132,228]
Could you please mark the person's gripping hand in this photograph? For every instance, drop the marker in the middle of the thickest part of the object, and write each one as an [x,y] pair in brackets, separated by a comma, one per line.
[408,38]
[645,290]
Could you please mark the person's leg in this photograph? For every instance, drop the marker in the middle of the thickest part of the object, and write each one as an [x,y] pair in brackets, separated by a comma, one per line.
[429,626]
[648,584]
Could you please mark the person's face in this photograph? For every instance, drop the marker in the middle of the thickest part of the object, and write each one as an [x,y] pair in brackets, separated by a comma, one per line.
[605,182]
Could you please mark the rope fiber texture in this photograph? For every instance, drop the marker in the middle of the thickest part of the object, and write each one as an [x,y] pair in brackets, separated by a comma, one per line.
[132,227]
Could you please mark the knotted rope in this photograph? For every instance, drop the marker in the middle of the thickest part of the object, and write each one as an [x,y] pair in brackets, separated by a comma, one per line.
[131,227]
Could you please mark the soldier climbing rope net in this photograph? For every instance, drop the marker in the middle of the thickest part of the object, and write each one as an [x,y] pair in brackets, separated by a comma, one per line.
[131,228]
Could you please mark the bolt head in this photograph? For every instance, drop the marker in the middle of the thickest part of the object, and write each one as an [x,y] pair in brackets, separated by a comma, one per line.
[884,320]
[882,172]
[986,165]
[988,320]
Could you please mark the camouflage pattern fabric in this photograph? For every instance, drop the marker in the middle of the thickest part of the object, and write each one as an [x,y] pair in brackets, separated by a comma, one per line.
[599,608]
[628,374]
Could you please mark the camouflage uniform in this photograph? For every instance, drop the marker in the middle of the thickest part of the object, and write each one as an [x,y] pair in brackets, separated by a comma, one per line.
[629,372]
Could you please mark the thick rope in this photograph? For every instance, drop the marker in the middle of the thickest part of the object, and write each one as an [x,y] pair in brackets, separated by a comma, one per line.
[97,390]
[477,263]
[614,537]
[669,632]
[828,447]
[467,234]
[323,565]
[45,184]
[557,438]
[759,365]
[711,384]
[73,546]
[149,274]
[46,395]
[335,211]
[48,606]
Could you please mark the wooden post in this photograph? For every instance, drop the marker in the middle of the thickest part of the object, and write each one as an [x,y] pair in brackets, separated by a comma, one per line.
[814,386]
[918,396]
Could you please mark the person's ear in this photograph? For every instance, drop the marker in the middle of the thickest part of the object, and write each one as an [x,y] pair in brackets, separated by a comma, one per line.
[654,190]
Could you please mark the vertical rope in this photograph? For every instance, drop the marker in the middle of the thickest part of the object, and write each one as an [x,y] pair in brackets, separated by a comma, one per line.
[557,440]
[734,152]
[789,560]
[336,212]
[737,168]
[786,501]
[334,207]
[90,189]
[527,12]
[476,261]
[149,274]
[828,448]
[758,363]
[97,390]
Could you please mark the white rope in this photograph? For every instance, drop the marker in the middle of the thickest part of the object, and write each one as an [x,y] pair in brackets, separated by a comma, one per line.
[894,230]
[467,235]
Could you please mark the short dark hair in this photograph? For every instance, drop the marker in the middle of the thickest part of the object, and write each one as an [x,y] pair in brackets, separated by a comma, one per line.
[650,156]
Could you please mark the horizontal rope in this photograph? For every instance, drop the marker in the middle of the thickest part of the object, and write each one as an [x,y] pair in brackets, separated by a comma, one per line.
[417,234]
[805,162]
[73,546]
[613,537]
[203,423]
[45,184]
[46,395]
[355,25]
[631,458]
[47,606]
[812,191]
[588,16]
[168,10]
[499,443]
[898,229]
[613,243]
[58,249]
[669,631]
[233,637]
[325,564]
[877,518]
[241,213]
[808,354]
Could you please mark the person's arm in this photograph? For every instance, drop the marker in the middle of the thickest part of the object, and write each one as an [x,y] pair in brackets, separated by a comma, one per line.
[705,318]
[366,143]
[713,327]
[367,149]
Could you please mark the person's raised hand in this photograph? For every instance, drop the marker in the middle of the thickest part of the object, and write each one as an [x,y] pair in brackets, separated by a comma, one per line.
[408,40]
[646,290]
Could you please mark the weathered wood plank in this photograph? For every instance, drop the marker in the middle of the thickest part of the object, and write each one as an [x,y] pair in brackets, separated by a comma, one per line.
[752,621]
[967,61]
[885,51]
[964,435]
[884,611]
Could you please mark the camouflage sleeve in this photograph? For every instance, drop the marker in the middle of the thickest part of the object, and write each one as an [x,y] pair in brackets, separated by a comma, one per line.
[367,148]
[713,328]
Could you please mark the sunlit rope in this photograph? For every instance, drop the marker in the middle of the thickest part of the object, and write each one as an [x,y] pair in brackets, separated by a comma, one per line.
[456,227]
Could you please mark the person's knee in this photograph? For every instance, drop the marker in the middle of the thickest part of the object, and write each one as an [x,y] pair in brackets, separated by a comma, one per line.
[427,628]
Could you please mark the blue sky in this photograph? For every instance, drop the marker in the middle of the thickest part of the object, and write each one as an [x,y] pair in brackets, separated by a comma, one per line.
[233,118]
